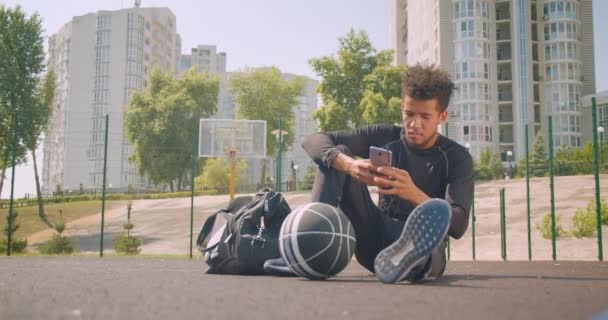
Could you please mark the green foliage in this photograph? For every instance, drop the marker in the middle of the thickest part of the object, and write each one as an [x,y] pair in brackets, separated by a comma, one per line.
[489,166]
[521,168]
[359,86]
[126,244]
[583,223]
[14,225]
[567,161]
[159,124]
[21,63]
[573,161]
[216,175]
[17,246]
[545,227]
[538,159]
[57,245]
[60,226]
[262,94]
[309,178]
[603,210]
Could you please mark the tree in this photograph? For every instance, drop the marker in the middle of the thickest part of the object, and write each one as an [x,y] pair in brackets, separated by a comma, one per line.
[262,94]
[38,114]
[381,101]
[17,246]
[216,175]
[489,166]
[159,122]
[125,243]
[21,62]
[538,159]
[359,86]
[58,244]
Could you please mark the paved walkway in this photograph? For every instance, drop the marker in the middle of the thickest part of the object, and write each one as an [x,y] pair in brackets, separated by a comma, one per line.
[131,288]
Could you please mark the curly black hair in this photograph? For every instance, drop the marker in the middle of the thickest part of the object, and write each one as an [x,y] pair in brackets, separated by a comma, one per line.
[423,82]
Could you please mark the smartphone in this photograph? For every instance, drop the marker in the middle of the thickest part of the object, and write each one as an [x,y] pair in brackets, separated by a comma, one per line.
[380,157]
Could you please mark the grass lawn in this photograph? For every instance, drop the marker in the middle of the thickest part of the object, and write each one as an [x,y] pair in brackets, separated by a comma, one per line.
[30,222]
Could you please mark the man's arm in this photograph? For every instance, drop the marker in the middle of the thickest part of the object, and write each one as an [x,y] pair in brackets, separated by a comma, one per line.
[321,147]
[459,194]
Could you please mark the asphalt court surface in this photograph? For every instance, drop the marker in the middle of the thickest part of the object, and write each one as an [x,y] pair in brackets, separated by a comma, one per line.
[145,288]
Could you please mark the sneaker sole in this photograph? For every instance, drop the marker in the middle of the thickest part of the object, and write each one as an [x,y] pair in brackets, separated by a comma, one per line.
[425,228]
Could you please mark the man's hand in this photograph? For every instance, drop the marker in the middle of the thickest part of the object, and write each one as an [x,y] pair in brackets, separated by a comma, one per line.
[360,169]
[363,171]
[398,182]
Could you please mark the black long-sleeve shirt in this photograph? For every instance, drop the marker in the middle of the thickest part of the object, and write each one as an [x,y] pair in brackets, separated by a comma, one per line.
[443,171]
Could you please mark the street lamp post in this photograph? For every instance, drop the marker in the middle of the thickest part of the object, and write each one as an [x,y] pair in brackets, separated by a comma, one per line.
[295,173]
[600,130]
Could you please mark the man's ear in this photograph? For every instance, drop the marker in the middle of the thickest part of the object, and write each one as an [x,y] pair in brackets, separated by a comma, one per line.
[443,116]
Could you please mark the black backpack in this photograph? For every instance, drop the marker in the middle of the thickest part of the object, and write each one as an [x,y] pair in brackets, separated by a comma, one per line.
[248,238]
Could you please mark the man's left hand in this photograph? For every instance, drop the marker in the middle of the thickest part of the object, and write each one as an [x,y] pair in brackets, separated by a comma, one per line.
[397,182]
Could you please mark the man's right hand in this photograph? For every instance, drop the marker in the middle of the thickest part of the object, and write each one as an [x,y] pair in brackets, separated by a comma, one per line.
[360,169]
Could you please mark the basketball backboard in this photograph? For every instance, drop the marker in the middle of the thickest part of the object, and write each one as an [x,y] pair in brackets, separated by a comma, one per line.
[218,136]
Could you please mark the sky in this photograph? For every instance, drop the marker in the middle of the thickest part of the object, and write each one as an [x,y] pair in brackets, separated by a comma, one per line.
[256,33]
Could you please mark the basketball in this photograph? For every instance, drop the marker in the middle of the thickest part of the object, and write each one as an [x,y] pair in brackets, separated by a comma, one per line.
[317,241]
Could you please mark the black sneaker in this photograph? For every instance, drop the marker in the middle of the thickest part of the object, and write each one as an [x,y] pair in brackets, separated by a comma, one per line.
[424,230]
[278,267]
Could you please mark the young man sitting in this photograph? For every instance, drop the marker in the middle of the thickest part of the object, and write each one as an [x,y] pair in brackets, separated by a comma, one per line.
[403,237]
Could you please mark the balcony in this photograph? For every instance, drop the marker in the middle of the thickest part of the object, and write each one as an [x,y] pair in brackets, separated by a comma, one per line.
[504,73]
[502,11]
[503,51]
[505,135]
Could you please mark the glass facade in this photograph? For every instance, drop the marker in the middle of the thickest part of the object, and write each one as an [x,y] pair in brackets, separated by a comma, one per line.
[471,116]
[100,98]
[563,80]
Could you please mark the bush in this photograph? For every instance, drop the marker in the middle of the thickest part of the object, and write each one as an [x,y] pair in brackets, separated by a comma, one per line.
[545,227]
[17,246]
[603,209]
[57,245]
[583,223]
[126,244]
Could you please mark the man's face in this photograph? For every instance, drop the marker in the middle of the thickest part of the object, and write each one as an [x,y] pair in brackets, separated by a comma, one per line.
[420,121]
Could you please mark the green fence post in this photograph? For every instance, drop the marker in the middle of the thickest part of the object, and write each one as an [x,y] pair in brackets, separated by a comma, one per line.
[528,194]
[12,197]
[194,156]
[503,229]
[448,242]
[278,150]
[473,219]
[600,253]
[103,187]
[552,187]
[473,223]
